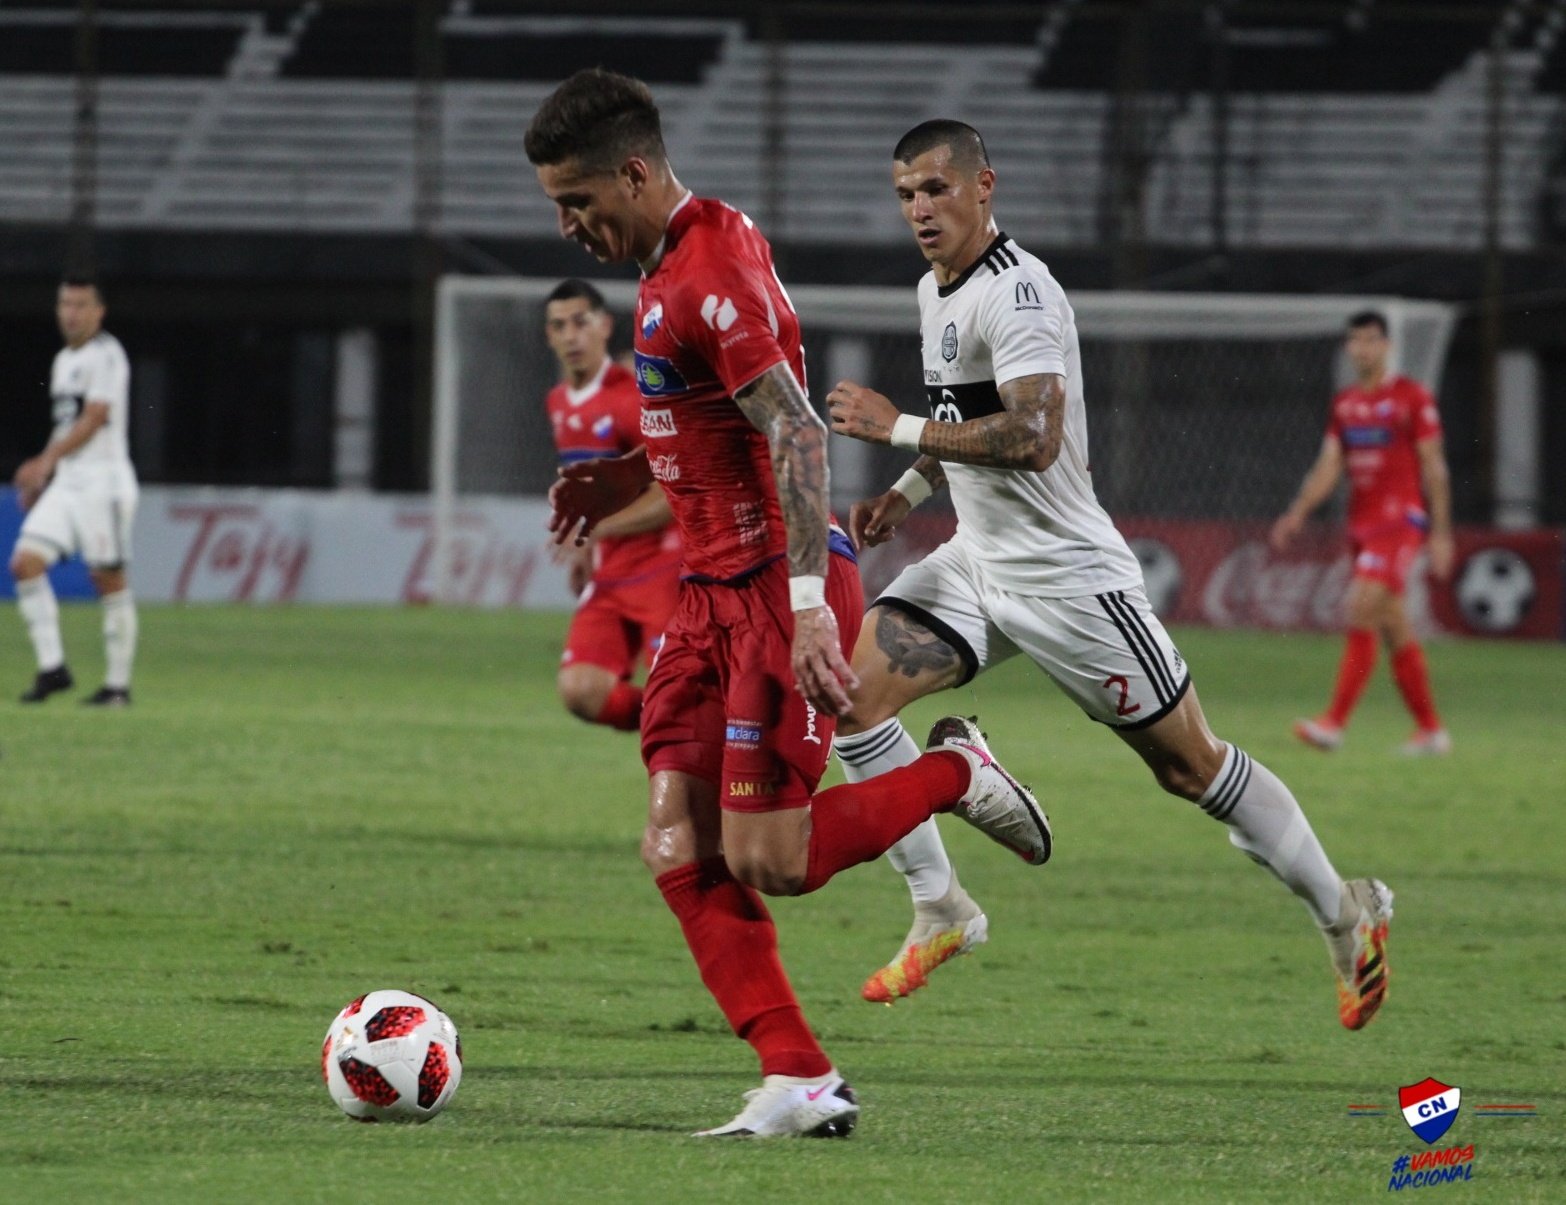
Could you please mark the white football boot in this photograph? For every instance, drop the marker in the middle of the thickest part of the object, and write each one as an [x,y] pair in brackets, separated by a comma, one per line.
[1358,945]
[995,803]
[1433,742]
[788,1107]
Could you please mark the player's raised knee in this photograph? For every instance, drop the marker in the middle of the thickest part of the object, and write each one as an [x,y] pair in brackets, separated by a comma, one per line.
[26,564]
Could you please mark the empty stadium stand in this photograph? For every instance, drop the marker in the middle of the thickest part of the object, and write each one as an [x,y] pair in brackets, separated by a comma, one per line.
[301,118]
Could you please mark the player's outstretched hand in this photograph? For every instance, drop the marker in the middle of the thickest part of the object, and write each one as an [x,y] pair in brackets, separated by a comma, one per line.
[1284,530]
[875,521]
[821,673]
[861,413]
[589,492]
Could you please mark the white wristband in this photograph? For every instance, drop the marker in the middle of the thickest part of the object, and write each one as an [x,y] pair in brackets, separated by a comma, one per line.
[906,432]
[913,486]
[806,592]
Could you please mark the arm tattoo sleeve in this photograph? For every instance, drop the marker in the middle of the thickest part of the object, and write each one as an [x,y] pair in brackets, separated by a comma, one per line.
[778,408]
[1026,435]
[930,469]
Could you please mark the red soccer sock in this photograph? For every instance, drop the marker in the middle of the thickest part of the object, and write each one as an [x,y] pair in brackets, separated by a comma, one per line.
[1359,660]
[623,708]
[1413,681]
[860,821]
[732,938]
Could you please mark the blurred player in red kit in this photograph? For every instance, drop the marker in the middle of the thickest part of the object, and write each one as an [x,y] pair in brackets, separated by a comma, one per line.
[741,704]
[627,575]
[1385,430]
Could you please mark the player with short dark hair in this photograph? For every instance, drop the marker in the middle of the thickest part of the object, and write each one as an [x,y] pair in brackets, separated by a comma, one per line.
[626,576]
[1385,431]
[80,495]
[1036,566]
[740,706]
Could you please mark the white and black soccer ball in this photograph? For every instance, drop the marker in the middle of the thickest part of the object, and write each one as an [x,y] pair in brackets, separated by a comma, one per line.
[392,1056]
[1160,573]
[1495,590]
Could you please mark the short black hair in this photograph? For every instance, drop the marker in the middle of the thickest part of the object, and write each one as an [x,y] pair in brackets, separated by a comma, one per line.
[1370,318]
[599,118]
[968,151]
[77,280]
[570,290]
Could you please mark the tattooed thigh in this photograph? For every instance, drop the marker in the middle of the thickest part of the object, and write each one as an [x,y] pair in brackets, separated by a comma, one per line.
[913,651]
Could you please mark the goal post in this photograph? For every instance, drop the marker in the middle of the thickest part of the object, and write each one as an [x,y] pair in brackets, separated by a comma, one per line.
[1201,406]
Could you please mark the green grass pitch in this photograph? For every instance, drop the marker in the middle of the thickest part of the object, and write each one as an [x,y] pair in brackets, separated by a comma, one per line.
[306,804]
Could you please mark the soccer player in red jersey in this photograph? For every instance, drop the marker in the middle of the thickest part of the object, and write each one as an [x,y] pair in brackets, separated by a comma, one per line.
[1385,430]
[741,704]
[627,575]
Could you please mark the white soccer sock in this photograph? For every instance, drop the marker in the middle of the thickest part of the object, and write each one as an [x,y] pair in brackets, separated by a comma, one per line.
[119,638]
[920,856]
[41,613]
[1266,824]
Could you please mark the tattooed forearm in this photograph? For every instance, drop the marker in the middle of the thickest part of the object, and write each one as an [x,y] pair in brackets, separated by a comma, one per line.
[930,469]
[1026,435]
[777,407]
[913,650]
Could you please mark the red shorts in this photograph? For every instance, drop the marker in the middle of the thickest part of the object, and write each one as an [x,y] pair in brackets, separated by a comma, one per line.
[720,701]
[1386,555]
[615,624]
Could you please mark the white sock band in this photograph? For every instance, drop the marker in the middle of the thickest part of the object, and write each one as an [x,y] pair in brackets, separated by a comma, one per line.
[119,638]
[920,856]
[1266,824]
[41,613]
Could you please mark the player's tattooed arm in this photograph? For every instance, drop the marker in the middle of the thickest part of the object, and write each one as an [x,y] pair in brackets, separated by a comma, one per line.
[930,469]
[1025,435]
[779,409]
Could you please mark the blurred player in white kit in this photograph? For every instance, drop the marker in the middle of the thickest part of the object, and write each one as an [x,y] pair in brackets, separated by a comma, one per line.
[80,497]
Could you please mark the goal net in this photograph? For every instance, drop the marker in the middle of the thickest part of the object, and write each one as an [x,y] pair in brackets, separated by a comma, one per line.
[1204,410]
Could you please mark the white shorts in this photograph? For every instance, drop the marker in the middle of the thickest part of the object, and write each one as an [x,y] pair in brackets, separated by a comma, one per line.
[86,519]
[1108,651]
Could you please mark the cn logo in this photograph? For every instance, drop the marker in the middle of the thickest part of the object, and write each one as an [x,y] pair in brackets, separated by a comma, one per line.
[945,410]
[719,315]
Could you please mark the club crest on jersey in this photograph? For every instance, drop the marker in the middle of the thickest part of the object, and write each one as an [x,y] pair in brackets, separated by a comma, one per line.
[949,342]
[656,376]
[604,426]
[652,320]
[1429,1107]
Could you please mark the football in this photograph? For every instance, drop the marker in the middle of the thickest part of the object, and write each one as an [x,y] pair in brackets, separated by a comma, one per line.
[391,1056]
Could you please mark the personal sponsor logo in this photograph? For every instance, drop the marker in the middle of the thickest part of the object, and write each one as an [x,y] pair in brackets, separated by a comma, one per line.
[743,734]
[949,342]
[718,313]
[656,376]
[658,424]
[652,320]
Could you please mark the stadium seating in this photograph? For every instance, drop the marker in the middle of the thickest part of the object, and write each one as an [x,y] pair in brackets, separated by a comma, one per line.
[302,119]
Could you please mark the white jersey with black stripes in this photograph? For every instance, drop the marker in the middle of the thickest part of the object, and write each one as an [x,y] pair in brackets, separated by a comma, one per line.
[1042,533]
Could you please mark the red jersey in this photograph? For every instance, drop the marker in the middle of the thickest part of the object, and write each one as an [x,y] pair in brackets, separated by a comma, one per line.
[603,419]
[1378,430]
[711,317]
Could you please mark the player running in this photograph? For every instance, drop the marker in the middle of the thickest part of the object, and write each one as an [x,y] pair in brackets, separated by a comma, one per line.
[740,706]
[1036,566]
[1386,430]
[80,496]
[627,575]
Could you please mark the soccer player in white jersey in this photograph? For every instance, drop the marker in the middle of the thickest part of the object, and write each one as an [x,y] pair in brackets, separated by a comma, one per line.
[1037,567]
[80,496]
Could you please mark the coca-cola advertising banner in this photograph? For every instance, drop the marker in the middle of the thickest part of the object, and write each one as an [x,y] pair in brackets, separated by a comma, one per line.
[269,546]
[1224,574]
